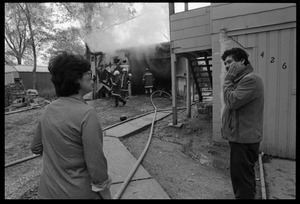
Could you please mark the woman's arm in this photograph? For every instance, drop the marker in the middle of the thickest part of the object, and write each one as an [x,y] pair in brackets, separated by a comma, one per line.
[36,144]
[92,138]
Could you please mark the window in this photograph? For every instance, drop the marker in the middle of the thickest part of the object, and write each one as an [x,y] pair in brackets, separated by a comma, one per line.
[197,5]
[180,7]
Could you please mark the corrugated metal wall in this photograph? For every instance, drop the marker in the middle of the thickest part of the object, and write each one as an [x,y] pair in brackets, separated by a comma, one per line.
[43,80]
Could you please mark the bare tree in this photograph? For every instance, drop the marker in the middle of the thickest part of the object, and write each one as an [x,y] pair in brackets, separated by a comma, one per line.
[39,25]
[16,33]
[68,39]
[27,12]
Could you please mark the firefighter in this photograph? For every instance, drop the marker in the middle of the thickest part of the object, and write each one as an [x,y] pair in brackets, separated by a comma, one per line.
[125,80]
[148,81]
[116,88]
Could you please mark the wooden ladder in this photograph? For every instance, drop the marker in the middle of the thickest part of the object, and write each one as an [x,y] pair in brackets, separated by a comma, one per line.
[202,75]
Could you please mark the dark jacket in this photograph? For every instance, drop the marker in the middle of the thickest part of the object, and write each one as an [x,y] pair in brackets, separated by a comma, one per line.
[148,80]
[125,79]
[242,119]
[116,86]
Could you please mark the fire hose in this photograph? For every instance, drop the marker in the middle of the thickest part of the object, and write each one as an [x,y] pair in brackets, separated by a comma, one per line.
[129,119]
[135,167]
[38,155]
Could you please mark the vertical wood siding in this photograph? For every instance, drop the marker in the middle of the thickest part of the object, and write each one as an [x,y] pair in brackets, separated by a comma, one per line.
[272,55]
[276,65]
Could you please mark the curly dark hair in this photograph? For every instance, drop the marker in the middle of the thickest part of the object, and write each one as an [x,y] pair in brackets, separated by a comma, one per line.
[65,68]
[237,54]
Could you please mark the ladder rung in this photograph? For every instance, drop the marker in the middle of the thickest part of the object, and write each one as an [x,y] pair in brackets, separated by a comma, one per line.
[196,60]
[201,65]
[204,71]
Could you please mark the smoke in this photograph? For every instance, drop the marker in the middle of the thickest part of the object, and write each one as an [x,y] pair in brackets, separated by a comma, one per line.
[151,26]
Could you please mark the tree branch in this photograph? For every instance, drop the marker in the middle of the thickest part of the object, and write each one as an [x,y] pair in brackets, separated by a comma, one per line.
[70,12]
[10,44]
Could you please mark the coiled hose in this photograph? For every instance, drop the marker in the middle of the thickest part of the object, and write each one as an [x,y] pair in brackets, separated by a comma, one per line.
[135,167]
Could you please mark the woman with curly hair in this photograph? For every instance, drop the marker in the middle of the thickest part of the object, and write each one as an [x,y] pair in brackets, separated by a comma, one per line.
[70,137]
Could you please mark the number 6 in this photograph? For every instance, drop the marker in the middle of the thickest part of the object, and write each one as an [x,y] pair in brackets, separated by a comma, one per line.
[284,66]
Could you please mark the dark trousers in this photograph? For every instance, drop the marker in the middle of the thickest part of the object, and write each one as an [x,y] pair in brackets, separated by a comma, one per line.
[148,91]
[242,161]
[117,99]
[124,94]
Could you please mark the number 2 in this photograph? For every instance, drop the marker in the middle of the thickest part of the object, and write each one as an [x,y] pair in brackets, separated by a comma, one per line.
[272,59]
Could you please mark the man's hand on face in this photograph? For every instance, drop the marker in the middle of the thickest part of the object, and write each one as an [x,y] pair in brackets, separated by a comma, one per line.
[233,71]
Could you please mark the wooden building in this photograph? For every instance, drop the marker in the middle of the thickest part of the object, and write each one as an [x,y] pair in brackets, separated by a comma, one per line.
[267,31]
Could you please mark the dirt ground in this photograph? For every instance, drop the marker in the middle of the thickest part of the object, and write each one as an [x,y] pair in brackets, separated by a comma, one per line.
[184,161]
[280,178]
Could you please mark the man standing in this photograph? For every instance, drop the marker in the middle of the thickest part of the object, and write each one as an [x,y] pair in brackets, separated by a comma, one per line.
[242,120]
[148,81]
[125,80]
[116,89]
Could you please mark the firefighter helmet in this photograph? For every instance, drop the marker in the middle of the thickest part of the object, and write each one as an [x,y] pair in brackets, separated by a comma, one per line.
[116,73]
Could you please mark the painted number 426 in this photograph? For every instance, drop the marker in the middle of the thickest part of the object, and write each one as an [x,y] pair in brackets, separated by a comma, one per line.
[273,60]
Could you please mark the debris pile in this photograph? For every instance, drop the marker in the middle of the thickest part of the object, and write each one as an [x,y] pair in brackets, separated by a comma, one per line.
[15,94]
[17,98]
[205,109]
